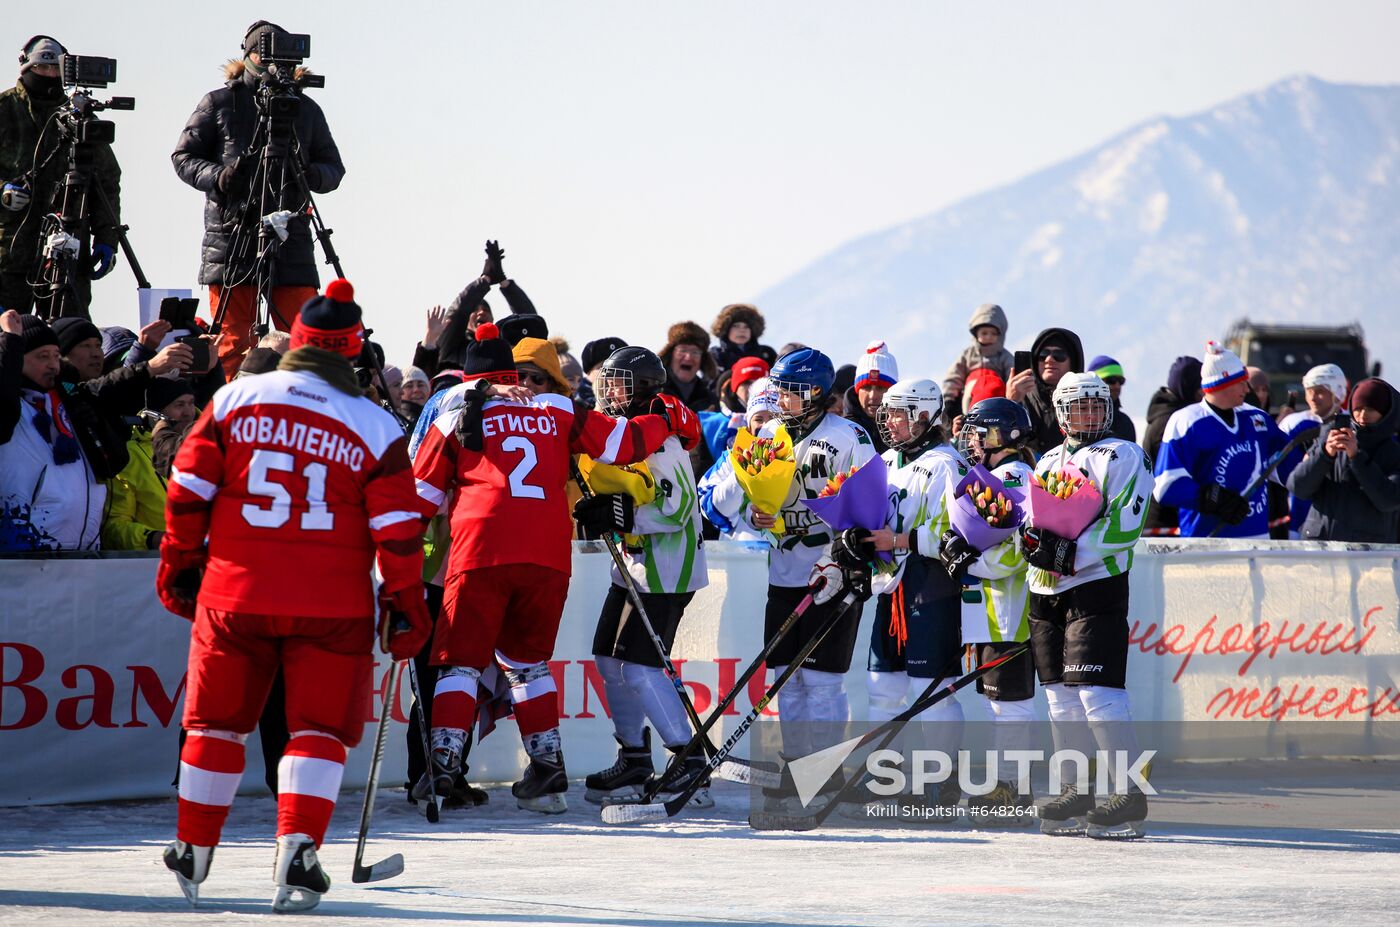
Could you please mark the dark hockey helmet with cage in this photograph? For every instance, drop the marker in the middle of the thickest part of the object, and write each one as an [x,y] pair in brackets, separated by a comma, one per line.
[993,425]
[628,381]
[806,373]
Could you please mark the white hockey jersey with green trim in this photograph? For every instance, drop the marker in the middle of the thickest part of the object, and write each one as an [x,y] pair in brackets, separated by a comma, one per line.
[671,557]
[1105,548]
[918,503]
[1002,587]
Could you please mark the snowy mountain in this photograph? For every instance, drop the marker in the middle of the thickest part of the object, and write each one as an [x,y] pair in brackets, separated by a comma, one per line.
[1283,205]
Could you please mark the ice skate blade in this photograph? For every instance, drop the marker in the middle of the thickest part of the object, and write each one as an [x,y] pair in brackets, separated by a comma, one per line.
[625,795]
[1128,830]
[1070,827]
[777,820]
[190,889]
[552,803]
[292,898]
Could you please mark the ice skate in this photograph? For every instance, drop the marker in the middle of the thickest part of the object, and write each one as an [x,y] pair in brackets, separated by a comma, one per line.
[463,794]
[1002,807]
[445,765]
[298,874]
[676,780]
[190,865]
[1121,817]
[543,785]
[1064,816]
[625,780]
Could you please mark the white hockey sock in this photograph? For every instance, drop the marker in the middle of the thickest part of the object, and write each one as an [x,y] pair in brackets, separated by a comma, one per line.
[1111,722]
[1070,730]
[886,692]
[660,701]
[628,715]
[941,724]
[828,707]
[792,714]
[1011,725]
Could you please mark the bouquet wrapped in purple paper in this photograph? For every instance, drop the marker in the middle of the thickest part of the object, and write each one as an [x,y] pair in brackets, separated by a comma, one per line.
[855,498]
[983,511]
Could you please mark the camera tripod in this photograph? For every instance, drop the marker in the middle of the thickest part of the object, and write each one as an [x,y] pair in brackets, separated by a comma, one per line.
[64,232]
[279,177]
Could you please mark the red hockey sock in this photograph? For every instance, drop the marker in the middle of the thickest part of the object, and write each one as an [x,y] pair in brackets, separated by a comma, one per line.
[536,704]
[454,699]
[308,780]
[211,764]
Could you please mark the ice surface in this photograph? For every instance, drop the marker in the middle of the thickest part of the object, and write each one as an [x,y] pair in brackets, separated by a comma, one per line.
[99,864]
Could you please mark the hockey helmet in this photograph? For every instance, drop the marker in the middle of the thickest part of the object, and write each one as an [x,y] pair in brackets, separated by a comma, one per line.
[993,425]
[807,374]
[628,381]
[920,400]
[1083,406]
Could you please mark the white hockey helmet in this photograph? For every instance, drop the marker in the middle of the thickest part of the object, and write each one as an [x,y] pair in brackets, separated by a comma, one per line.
[1083,406]
[1330,377]
[920,399]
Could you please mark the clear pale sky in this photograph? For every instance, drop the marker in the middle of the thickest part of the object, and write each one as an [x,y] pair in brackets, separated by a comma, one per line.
[643,163]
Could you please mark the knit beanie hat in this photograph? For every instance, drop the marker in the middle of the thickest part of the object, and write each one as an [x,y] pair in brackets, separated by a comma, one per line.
[393,376]
[1329,376]
[746,370]
[162,391]
[1221,368]
[763,397]
[331,321]
[488,356]
[42,49]
[415,375]
[876,365]
[545,356]
[1184,378]
[72,331]
[1372,394]
[982,383]
[595,352]
[36,333]
[1106,367]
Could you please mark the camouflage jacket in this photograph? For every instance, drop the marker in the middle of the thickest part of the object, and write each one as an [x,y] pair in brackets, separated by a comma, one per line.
[21,124]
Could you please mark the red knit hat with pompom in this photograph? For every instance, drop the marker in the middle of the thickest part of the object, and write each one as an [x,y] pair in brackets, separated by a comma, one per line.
[331,321]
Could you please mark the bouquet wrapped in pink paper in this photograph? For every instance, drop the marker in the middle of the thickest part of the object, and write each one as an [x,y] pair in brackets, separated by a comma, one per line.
[1063,502]
[855,498]
[983,511]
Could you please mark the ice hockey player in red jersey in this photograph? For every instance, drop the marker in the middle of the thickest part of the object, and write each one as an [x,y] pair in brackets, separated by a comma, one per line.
[296,480]
[501,465]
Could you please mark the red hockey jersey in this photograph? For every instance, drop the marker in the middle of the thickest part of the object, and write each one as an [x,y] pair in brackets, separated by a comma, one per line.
[508,502]
[296,484]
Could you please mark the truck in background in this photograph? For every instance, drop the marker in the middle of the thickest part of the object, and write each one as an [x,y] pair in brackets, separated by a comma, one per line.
[1286,352]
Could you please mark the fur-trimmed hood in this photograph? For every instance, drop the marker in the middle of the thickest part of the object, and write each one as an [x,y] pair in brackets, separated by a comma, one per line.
[234,68]
[738,312]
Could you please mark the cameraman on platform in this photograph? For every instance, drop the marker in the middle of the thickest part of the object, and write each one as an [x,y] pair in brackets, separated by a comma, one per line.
[32,165]
[214,155]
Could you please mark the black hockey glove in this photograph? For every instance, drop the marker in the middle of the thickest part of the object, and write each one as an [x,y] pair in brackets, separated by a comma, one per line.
[469,431]
[1228,505]
[610,513]
[1047,551]
[957,555]
[493,269]
[852,549]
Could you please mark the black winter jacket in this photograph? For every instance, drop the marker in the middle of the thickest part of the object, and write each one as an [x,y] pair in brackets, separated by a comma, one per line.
[856,414]
[1357,498]
[218,132]
[1039,401]
[1159,409]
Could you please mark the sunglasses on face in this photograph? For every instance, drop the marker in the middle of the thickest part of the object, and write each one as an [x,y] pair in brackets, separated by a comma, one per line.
[1114,381]
[1054,354]
[530,376]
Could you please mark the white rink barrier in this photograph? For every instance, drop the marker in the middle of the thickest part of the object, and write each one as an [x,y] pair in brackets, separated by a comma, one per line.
[1251,643]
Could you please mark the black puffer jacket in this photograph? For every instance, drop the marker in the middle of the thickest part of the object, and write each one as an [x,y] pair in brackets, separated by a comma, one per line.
[1160,518]
[1039,401]
[1353,498]
[219,131]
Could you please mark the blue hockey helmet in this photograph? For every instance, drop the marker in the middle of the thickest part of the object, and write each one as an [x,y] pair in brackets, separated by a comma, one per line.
[993,425]
[806,373]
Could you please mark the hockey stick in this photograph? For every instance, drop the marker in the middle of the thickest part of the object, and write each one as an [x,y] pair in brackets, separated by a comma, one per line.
[733,769]
[431,809]
[1270,465]
[390,866]
[832,758]
[642,813]
[635,595]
